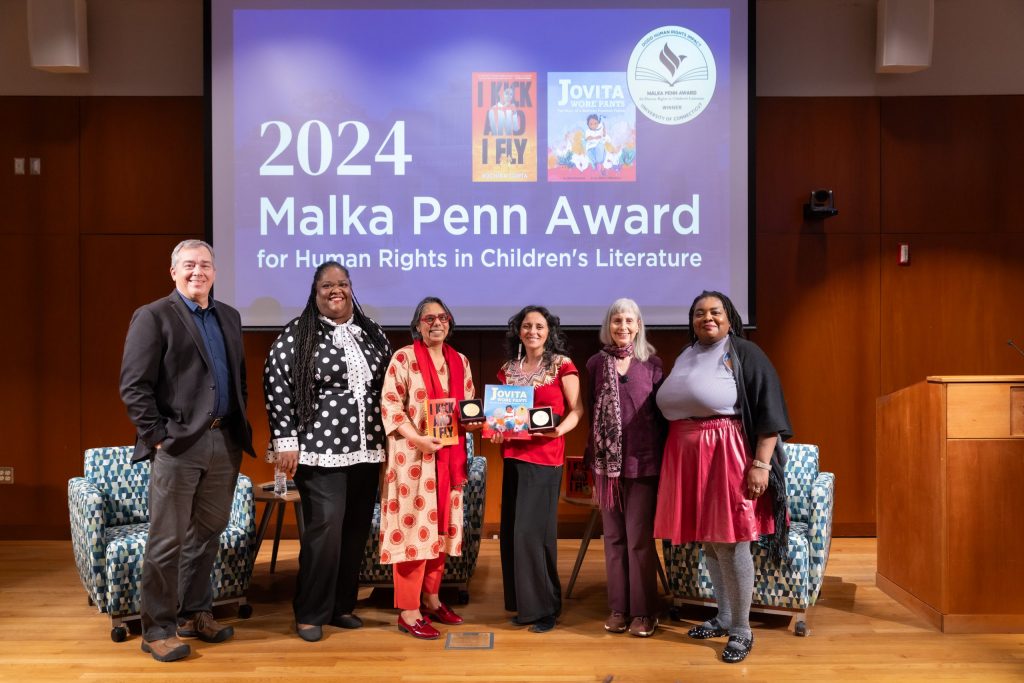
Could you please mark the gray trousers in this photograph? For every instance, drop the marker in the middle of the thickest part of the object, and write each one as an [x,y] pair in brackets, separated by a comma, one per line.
[190,498]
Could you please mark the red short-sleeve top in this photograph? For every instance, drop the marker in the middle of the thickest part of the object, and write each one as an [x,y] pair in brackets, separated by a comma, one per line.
[547,392]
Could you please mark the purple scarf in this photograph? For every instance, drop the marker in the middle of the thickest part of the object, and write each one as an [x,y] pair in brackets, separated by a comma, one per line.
[607,431]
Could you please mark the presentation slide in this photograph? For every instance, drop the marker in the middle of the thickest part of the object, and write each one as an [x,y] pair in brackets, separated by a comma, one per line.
[493,155]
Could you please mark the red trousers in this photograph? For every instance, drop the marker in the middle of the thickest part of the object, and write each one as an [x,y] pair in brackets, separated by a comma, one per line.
[415,577]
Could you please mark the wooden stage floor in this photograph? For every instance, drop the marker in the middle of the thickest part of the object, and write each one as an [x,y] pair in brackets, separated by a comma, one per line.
[47,632]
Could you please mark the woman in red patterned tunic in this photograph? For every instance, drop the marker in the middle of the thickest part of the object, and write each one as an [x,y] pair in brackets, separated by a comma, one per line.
[421,505]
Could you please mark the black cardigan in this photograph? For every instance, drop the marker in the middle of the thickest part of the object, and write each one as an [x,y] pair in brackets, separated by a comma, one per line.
[763,411]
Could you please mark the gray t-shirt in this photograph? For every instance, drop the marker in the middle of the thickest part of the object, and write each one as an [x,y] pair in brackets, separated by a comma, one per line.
[700,384]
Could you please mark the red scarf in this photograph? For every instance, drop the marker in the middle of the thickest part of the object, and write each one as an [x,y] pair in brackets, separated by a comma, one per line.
[451,460]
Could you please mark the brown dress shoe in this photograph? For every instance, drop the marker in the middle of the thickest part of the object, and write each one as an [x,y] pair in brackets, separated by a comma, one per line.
[643,627]
[616,622]
[166,650]
[203,626]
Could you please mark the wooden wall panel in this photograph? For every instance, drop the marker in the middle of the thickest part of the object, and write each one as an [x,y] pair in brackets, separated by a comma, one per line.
[119,274]
[39,383]
[45,128]
[142,165]
[819,326]
[952,164]
[953,308]
[805,144]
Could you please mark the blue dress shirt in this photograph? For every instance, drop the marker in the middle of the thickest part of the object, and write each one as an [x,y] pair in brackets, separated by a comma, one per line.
[213,337]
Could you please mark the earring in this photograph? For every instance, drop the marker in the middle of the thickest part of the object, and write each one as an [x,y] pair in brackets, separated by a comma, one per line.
[520,351]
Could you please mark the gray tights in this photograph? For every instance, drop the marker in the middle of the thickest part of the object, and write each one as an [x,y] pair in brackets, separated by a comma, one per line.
[732,575]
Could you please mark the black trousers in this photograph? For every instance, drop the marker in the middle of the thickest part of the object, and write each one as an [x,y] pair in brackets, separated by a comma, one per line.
[337,509]
[529,539]
[190,498]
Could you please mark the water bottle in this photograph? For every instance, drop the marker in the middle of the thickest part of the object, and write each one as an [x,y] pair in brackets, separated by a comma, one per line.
[280,482]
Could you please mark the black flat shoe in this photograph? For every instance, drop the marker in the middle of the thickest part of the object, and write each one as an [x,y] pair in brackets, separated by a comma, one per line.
[701,632]
[737,649]
[347,621]
[310,634]
[542,625]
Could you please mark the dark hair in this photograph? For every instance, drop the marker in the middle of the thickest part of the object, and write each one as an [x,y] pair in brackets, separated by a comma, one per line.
[595,117]
[735,321]
[414,325]
[304,363]
[555,343]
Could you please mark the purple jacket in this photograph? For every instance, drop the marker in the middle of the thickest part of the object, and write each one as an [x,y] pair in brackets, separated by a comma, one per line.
[643,427]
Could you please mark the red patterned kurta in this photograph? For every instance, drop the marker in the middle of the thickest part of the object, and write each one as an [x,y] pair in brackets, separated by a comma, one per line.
[408,519]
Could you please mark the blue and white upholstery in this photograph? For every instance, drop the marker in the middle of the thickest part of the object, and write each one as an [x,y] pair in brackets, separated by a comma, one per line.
[109,510]
[793,586]
[457,570]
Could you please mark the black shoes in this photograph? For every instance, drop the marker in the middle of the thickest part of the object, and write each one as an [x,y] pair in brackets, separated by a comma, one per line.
[310,634]
[737,649]
[347,621]
[542,625]
[702,632]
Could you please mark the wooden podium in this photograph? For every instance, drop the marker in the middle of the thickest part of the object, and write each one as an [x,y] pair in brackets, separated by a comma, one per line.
[950,497]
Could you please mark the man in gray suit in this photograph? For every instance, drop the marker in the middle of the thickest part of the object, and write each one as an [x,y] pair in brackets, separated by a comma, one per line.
[183,382]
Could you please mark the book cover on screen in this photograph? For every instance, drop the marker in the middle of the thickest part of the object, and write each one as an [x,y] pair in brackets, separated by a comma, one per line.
[441,420]
[591,127]
[507,409]
[504,127]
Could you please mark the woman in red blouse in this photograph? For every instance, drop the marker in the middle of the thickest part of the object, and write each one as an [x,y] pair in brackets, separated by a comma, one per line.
[532,473]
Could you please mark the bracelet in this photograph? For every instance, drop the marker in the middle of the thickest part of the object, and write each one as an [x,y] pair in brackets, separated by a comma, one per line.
[761,465]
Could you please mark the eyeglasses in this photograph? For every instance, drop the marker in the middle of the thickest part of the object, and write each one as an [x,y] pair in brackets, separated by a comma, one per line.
[442,318]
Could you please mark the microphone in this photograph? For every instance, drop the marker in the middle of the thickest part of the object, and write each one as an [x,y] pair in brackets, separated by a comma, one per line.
[1010,342]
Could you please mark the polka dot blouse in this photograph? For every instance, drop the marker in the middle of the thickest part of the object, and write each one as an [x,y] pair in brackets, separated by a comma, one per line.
[346,428]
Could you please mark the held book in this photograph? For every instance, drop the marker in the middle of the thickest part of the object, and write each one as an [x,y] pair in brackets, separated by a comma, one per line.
[440,413]
[507,410]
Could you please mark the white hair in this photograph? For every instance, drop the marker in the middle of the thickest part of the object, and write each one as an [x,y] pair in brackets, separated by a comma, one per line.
[642,349]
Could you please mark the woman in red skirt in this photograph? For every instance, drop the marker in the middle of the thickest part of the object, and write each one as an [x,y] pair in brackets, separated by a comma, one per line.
[722,472]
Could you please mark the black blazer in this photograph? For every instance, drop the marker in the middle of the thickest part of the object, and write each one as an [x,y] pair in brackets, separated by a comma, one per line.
[167,381]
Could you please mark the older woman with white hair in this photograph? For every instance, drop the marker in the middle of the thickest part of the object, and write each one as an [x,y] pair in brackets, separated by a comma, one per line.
[624,450]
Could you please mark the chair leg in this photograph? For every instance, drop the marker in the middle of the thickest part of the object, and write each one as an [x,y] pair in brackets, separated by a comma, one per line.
[588,532]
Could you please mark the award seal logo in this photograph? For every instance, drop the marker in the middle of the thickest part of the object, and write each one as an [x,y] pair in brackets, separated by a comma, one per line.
[671,75]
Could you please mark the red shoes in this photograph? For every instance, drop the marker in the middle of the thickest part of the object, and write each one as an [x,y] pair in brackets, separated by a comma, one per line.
[421,629]
[442,614]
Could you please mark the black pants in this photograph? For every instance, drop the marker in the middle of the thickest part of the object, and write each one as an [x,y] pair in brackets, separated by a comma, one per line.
[529,539]
[337,509]
[190,498]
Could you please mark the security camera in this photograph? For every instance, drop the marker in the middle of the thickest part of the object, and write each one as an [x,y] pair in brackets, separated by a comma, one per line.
[822,204]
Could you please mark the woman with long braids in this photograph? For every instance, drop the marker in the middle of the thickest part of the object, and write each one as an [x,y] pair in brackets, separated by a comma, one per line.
[536,350]
[322,382]
[722,478]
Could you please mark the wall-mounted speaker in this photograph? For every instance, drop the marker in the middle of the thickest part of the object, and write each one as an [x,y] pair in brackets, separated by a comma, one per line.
[904,42]
[57,37]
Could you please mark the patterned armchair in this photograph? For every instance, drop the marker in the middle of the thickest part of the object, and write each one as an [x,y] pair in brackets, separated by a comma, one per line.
[109,509]
[457,570]
[792,587]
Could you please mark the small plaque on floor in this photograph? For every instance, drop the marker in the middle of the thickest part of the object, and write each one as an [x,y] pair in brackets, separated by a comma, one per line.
[469,640]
